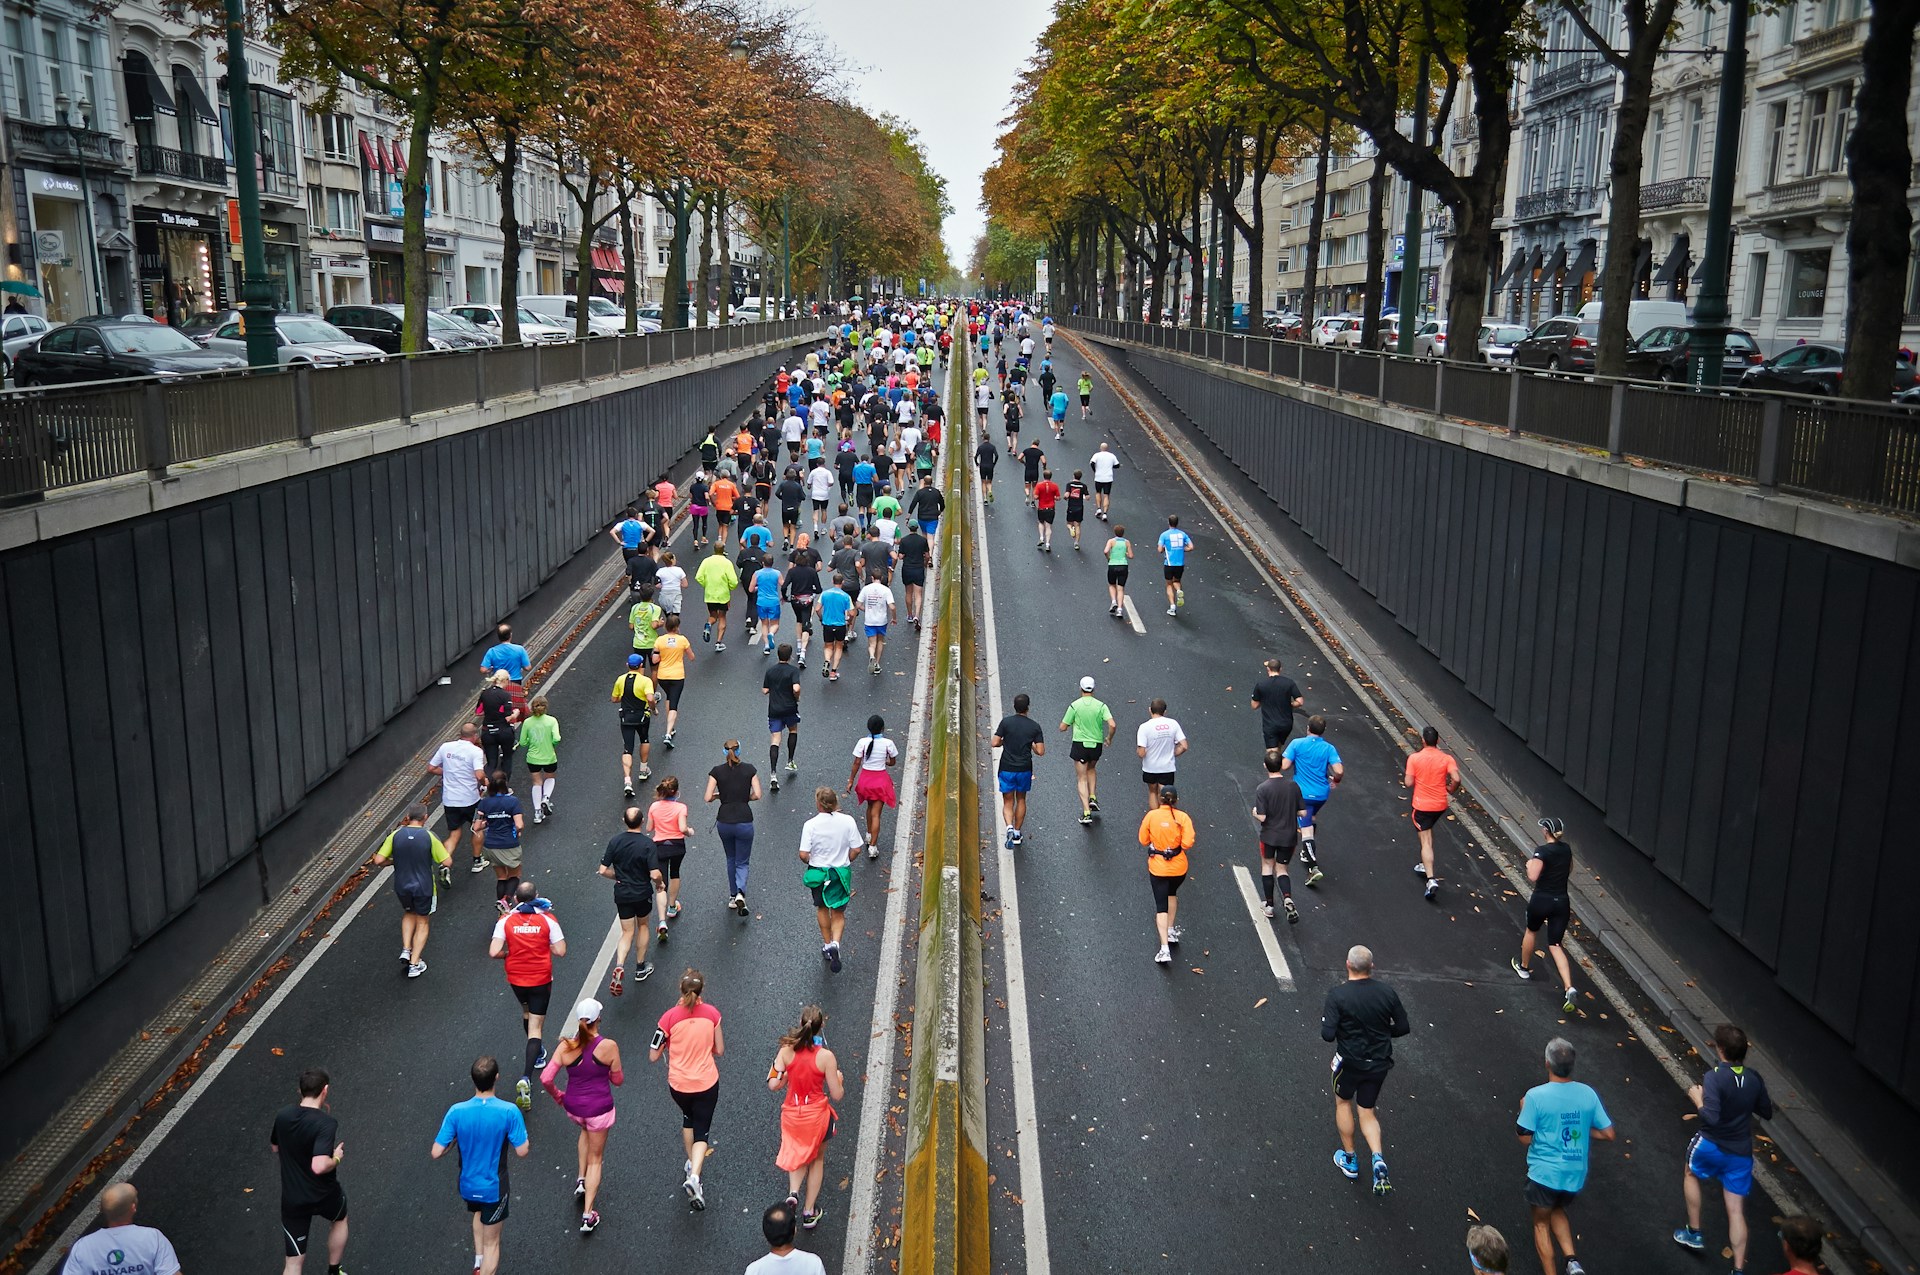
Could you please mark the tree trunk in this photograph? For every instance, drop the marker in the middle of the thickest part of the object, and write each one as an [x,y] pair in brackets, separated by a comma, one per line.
[1316,225]
[1256,232]
[629,302]
[1197,313]
[1109,298]
[509,240]
[674,290]
[703,290]
[583,256]
[1879,236]
[1370,306]
[413,241]
[1474,199]
[725,289]
[1157,273]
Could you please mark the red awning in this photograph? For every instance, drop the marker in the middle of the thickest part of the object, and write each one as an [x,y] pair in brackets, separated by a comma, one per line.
[606,260]
[612,283]
[376,160]
[398,163]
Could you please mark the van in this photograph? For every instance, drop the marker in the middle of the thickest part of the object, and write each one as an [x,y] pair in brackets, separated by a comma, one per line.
[604,318]
[1642,316]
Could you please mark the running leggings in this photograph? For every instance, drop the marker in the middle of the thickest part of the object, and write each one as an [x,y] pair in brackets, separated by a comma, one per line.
[700,525]
[736,839]
[1165,888]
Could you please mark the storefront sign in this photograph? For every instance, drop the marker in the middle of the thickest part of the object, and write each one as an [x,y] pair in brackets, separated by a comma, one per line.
[170,220]
[384,234]
[54,186]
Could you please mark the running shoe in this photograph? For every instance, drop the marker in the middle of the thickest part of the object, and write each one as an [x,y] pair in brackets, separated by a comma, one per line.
[719,646]
[1179,596]
[1019,837]
[1163,956]
[1086,818]
[1345,1162]
[1518,968]
[826,953]
[667,742]
[833,958]
[800,661]
[1574,1267]
[776,782]
[874,667]
[706,633]
[541,1061]
[416,969]
[1687,1237]
[662,933]
[873,849]
[834,676]
[617,984]
[643,971]
[1269,910]
[792,765]
[1568,1005]
[825,671]
[588,1221]
[503,905]
[406,955]
[645,773]
[523,1094]
[1076,546]
[1381,1184]
[740,903]
[793,1201]
[673,910]
[546,808]
[626,789]
[579,1188]
[446,875]
[810,1220]
[1174,935]
[1293,913]
[695,1196]
[1432,891]
[1093,804]
[1009,843]
[1419,869]
[478,865]
[537,816]
[1316,876]
[1172,611]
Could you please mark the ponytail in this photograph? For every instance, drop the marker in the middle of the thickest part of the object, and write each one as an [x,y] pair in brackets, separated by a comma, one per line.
[733,752]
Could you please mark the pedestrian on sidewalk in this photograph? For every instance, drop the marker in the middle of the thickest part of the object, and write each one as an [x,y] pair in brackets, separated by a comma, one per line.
[827,843]
[540,736]
[1432,774]
[1019,739]
[119,1247]
[527,939]
[1549,867]
[1277,807]
[628,862]
[498,822]
[810,1074]
[417,858]
[1728,1098]
[1316,767]
[667,824]
[1558,1123]
[482,1128]
[1362,1018]
[689,1036]
[874,756]
[306,1137]
[592,1064]
[1092,728]
[1158,742]
[1167,833]
[1119,554]
[462,767]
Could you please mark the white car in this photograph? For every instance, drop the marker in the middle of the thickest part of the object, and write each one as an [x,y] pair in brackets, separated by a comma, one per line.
[533,328]
[304,339]
[1327,329]
[604,318]
[1430,341]
[1497,339]
[17,332]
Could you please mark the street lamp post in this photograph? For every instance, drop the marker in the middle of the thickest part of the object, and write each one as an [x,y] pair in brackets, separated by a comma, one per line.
[257,317]
[1711,311]
[1416,198]
[61,102]
[786,251]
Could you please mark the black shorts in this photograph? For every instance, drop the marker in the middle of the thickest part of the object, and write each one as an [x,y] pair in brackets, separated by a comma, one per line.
[1164,889]
[1046,515]
[1116,575]
[1279,854]
[1102,489]
[915,577]
[802,615]
[1077,513]
[1085,399]
[416,902]
[668,854]
[1551,912]
[671,688]
[862,495]
[790,514]
[629,906]
[1425,819]
[631,735]
[1546,1197]
[492,1212]
[1362,1088]
[718,608]
[1172,572]
[724,517]
[833,632]
[533,1000]
[459,817]
[819,504]
[1156,776]
[1088,753]
[1275,736]
[696,1110]
[297,1221]
[545,767]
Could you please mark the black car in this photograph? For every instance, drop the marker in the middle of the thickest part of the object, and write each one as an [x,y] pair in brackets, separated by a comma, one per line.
[107,349]
[379,325]
[1814,368]
[1560,344]
[1661,354]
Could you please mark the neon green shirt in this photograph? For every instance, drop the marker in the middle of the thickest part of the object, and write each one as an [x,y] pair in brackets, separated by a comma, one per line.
[538,734]
[645,620]
[717,579]
[1086,720]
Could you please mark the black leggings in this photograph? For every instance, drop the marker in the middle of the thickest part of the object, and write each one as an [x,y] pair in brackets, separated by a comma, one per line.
[700,526]
[669,858]
[498,746]
[1164,888]
[696,1110]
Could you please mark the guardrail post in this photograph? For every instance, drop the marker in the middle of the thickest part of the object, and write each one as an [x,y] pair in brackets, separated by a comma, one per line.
[1270,344]
[406,390]
[1439,381]
[1617,421]
[1513,404]
[537,347]
[1773,451]
[480,376]
[1382,395]
[156,441]
[581,346]
[1336,368]
[673,345]
[303,403]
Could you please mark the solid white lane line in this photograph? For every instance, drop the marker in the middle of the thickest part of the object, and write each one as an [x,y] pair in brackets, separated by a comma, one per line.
[1257,909]
[1133,615]
[1033,1210]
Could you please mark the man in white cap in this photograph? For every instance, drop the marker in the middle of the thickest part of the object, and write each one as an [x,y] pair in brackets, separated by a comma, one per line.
[1092,726]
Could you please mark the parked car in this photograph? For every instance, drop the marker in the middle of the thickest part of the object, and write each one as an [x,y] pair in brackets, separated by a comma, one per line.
[1348,336]
[1563,343]
[604,318]
[1663,352]
[1815,369]
[1327,327]
[1285,325]
[1430,339]
[379,326]
[1497,339]
[533,328]
[107,349]
[1388,337]
[304,339]
[200,327]
[465,326]
[1642,316]
[17,332]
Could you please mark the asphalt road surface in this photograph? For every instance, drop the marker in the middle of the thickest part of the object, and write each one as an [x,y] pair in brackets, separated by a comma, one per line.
[1182,1115]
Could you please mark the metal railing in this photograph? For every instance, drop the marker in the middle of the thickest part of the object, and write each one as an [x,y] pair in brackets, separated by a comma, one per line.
[1677,192]
[164,161]
[1861,452]
[64,436]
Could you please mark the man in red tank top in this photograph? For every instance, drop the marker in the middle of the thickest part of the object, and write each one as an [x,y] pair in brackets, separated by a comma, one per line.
[527,939]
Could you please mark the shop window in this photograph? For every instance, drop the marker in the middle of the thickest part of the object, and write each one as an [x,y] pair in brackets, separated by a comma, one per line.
[1807,283]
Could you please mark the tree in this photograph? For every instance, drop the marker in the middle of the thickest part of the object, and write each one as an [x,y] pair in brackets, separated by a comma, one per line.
[1880,234]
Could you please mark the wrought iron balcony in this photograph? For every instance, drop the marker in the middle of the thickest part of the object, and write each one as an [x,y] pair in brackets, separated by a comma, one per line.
[1559,202]
[1681,192]
[27,140]
[162,161]
[1563,78]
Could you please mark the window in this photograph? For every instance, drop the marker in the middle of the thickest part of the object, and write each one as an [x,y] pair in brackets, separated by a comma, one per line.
[23,85]
[1696,125]
[277,157]
[1807,283]
[1756,284]
[1776,143]
[86,48]
[1550,152]
[1842,102]
[335,135]
[1788,18]
[184,121]
[317,208]
[660,256]
[1657,144]
[1575,175]
[1818,125]
[343,210]
[56,67]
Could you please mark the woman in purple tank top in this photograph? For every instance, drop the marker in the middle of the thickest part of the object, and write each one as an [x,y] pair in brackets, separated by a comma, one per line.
[592,1063]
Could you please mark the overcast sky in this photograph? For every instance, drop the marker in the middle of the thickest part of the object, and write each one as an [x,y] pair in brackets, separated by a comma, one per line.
[951,81]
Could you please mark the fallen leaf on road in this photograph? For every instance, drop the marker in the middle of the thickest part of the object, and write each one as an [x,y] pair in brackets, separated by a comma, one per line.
[1257,1004]
[279,1052]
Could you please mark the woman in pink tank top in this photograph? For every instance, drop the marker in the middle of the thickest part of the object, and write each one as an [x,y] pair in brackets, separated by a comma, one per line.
[592,1064]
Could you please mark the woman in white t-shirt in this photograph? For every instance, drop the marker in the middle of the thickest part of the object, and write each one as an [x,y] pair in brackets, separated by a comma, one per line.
[670,582]
[873,756]
[827,843]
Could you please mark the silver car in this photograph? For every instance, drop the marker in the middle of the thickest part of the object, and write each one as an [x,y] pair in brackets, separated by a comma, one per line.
[1497,341]
[533,328]
[17,332]
[304,339]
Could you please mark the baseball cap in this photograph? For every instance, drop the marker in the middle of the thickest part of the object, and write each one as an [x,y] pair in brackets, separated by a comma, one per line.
[588,1011]
[1086,684]
[633,661]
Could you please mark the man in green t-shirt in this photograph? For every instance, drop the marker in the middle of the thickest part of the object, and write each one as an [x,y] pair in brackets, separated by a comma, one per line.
[1092,725]
[717,578]
[645,620]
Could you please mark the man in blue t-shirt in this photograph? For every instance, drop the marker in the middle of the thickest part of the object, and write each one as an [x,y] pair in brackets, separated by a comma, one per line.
[506,654]
[1557,1122]
[1316,767]
[766,604]
[483,1127]
[1057,408]
[630,532]
[1174,544]
[836,609]
[865,478]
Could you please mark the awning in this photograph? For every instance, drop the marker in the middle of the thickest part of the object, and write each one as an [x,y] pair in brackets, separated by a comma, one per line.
[146,91]
[1676,262]
[376,161]
[611,283]
[1534,263]
[1583,260]
[1509,275]
[196,96]
[606,260]
[1557,266]
[395,168]
[1642,260]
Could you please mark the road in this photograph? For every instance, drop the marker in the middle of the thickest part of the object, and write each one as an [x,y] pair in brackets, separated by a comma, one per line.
[1181,1117]
[398,1050]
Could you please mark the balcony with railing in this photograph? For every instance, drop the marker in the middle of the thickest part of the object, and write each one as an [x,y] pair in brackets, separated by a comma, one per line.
[1833,44]
[29,141]
[1677,193]
[1563,78]
[1562,201]
[164,161]
[1804,200]
[1466,129]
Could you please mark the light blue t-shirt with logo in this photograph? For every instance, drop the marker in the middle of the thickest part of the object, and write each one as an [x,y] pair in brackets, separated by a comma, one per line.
[1561,1115]
[482,1129]
[122,1250]
[1174,544]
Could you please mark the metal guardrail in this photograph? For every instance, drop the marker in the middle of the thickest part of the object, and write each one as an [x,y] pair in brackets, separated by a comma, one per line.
[1859,452]
[65,436]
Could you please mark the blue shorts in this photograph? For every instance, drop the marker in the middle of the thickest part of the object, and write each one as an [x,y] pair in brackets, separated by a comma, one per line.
[1016,781]
[767,612]
[929,525]
[1058,417]
[1311,808]
[777,724]
[1707,1161]
[876,630]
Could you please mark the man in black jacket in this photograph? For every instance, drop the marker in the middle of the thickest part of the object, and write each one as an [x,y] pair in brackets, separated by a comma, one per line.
[1362,1017]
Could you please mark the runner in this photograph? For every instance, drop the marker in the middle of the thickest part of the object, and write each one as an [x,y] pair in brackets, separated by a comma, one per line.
[735,784]
[877,613]
[1157,742]
[1549,867]
[120,1247]
[462,768]
[801,589]
[540,736]
[528,938]
[1057,407]
[865,478]
[1033,462]
[717,580]
[671,584]
[498,822]
[1361,1019]
[982,398]
[628,862]
[689,1036]
[1076,493]
[1174,544]
[1019,739]
[592,1064]
[1119,552]
[506,655]
[820,483]
[836,609]
[1559,1121]
[766,583]
[1046,499]
[1167,833]
[827,843]
[1730,1096]
[1276,696]
[1801,1239]
[792,493]
[1010,415]
[781,685]
[1317,769]
[483,1127]
[306,1137]
[810,1074]
[1277,808]
[1086,395]
[499,721]
[873,756]
[417,858]
[629,533]
[1431,774]
[926,504]
[985,458]
[725,495]
[1103,463]
[667,824]
[671,653]
[1092,727]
